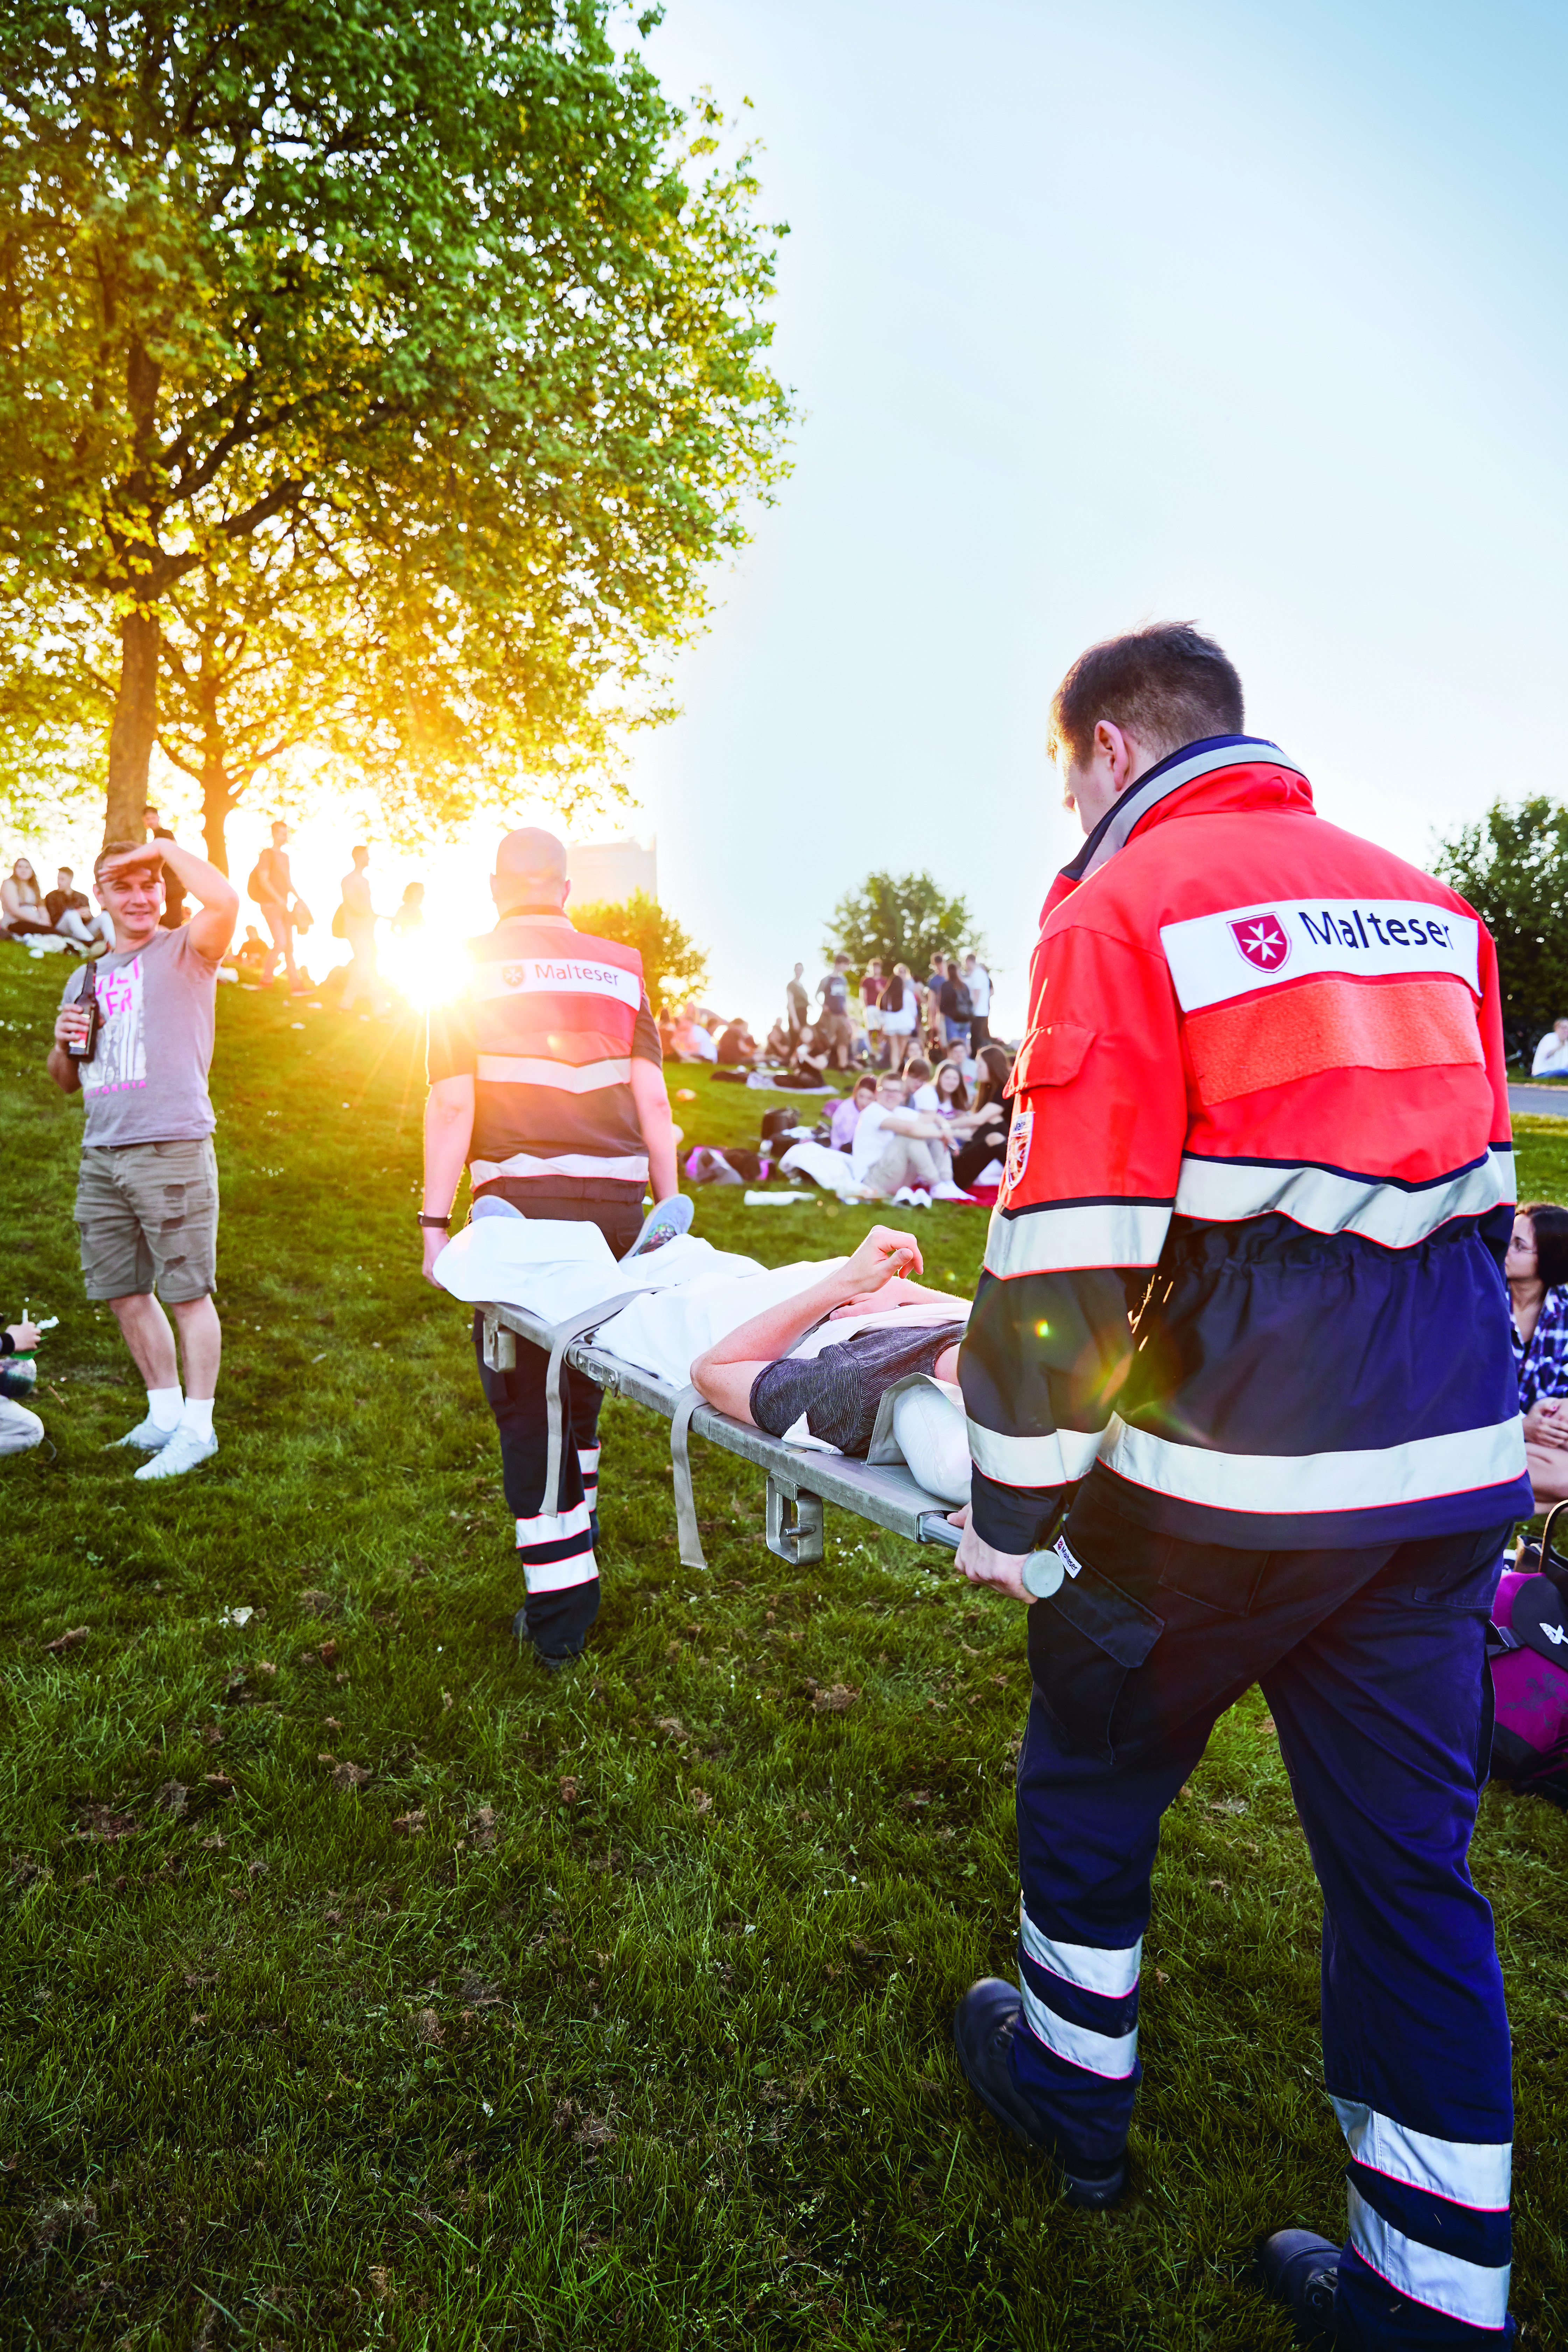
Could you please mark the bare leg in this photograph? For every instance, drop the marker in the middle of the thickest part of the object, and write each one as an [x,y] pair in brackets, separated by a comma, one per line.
[201,1346]
[144,1327]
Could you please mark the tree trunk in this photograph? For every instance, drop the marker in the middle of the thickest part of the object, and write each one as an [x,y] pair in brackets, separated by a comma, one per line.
[135,726]
[217,801]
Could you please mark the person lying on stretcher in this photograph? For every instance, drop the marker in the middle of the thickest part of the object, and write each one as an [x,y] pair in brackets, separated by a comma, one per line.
[868,1326]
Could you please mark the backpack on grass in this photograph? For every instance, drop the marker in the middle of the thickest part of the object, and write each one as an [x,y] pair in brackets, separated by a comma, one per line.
[1528,1658]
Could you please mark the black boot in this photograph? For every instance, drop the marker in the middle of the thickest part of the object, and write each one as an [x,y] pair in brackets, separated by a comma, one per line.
[1302,2271]
[557,1623]
[984,2025]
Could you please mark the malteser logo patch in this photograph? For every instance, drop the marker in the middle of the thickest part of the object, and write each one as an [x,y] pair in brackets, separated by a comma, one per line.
[1019,1137]
[1238,949]
[1262,940]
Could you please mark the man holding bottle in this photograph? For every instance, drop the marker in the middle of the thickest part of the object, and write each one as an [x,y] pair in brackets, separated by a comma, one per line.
[134,1037]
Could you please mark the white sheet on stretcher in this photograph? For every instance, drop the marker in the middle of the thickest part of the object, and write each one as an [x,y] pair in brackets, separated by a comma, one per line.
[697,1295]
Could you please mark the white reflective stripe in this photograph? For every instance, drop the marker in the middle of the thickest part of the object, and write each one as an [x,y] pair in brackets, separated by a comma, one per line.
[632,1169]
[1327,1203]
[553,1526]
[1114,2054]
[588,1456]
[1363,1480]
[1094,1233]
[1473,2172]
[1465,2291]
[560,1575]
[520,1070]
[1053,1461]
[561,975]
[1091,1966]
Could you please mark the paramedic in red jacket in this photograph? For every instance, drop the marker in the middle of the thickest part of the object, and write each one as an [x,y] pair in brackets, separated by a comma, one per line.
[1242,1410]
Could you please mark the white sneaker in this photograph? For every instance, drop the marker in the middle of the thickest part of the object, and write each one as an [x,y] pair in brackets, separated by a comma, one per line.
[182,1453]
[903,1198]
[948,1192]
[920,1199]
[148,1434]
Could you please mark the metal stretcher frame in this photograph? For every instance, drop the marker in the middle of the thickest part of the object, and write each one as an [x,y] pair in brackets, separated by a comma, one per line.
[799,1482]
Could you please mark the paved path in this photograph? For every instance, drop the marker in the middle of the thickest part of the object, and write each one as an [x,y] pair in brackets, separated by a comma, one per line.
[1541,1102]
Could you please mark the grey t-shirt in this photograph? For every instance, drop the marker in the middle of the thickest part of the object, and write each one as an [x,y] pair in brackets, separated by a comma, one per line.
[147,1081]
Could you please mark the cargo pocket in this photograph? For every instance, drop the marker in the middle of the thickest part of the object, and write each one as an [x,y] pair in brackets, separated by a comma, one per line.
[1084,1642]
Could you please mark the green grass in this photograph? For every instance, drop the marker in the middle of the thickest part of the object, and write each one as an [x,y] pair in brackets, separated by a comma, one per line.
[609,2010]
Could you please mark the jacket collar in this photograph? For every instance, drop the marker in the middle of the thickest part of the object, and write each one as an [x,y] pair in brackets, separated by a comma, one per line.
[1157,783]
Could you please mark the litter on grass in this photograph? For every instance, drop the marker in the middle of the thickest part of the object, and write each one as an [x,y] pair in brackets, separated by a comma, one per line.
[780,1199]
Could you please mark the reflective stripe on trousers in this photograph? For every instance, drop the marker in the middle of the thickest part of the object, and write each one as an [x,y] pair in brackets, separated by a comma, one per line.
[1372,1664]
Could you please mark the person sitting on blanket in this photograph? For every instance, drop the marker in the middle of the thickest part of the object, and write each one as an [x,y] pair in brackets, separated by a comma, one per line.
[898,1328]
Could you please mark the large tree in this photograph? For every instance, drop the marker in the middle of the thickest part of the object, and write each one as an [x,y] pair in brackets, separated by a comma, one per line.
[1512,865]
[437,281]
[673,965]
[903,919]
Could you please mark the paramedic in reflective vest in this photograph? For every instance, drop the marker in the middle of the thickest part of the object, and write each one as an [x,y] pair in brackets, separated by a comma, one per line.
[1242,1410]
[546,1080]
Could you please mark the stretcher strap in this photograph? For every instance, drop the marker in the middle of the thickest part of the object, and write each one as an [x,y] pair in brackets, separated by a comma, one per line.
[576,1328]
[685,1500]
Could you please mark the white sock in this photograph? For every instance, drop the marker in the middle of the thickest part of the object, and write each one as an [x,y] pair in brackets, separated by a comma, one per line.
[164,1407]
[197,1416]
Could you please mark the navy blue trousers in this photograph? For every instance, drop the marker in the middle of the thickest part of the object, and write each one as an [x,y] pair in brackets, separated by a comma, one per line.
[1373,1666]
[555,1549]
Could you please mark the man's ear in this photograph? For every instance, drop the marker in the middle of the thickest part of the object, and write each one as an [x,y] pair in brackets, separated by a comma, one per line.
[565,892]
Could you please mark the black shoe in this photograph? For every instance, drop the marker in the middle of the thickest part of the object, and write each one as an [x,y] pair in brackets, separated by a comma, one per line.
[984,2025]
[550,1660]
[1302,2269]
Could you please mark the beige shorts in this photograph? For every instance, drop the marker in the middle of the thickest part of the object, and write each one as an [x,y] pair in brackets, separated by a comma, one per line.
[147,1216]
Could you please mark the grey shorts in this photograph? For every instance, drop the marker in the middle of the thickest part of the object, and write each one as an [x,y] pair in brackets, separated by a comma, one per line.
[147,1216]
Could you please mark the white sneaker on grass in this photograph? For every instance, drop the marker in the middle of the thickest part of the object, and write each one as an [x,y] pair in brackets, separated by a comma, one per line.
[185,1449]
[148,1434]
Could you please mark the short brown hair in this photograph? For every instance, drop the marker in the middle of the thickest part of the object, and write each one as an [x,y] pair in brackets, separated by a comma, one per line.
[1549,1221]
[1167,685]
[110,851]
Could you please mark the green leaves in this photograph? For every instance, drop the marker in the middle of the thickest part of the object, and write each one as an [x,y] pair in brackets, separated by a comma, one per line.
[1513,866]
[424,297]
[903,918]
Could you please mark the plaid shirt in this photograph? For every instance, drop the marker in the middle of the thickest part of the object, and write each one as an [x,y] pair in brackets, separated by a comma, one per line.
[1542,1366]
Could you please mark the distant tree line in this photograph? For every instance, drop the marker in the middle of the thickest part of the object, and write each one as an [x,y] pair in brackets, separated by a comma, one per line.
[1511,865]
[901,918]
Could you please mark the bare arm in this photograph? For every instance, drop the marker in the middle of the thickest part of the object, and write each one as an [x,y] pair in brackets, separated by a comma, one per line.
[652,1100]
[725,1372]
[449,1131]
[211,930]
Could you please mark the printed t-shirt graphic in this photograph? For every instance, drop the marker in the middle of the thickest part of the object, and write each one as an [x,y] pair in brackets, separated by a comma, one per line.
[120,1058]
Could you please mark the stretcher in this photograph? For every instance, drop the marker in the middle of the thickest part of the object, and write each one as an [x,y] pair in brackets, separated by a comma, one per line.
[800,1484]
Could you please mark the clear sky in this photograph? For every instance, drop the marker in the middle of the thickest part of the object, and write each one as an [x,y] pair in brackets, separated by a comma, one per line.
[1246,314]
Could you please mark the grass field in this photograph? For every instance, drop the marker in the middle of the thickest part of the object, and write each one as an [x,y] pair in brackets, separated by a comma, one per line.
[363,1985]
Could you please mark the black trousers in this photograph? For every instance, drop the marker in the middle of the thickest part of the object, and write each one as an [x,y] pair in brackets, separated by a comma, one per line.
[555,1549]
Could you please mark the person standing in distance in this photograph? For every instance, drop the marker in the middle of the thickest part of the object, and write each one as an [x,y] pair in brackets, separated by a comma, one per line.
[978,982]
[359,919]
[272,888]
[546,1080]
[1261,1106]
[796,1002]
[146,1204]
[173,913]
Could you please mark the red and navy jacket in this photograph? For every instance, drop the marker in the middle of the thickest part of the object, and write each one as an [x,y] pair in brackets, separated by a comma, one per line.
[549,1025]
[1246,1266]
